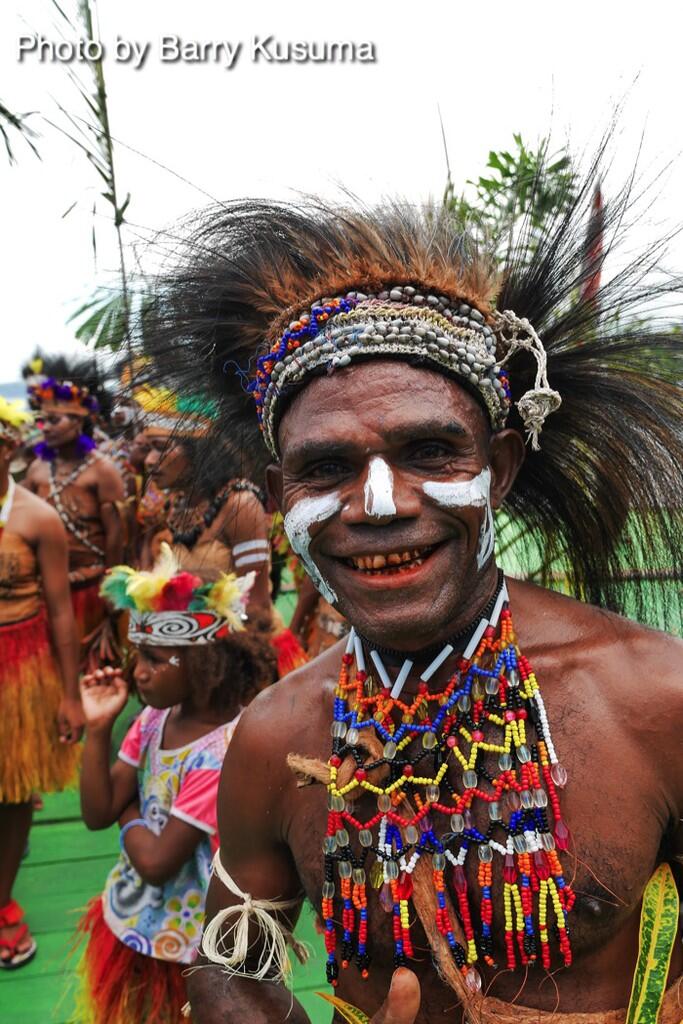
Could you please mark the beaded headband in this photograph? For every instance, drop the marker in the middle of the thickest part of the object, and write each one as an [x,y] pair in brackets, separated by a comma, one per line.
[51,395]
[13,418]
[400,321]
[171,608]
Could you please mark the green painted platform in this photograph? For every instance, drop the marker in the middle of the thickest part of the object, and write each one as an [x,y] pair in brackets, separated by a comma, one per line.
[65,867]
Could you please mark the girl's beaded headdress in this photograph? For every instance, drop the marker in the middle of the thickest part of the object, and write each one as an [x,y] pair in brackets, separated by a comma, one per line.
[171,608]
[13,419]
[401,322]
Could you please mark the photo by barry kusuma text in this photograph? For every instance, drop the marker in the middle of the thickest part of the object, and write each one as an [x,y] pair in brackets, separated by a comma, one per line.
[172,49]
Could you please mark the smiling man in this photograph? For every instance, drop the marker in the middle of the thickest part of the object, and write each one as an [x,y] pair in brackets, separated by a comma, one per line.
[474,789]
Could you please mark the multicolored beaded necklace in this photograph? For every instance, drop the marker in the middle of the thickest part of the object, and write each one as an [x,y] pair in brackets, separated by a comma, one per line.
[492,706]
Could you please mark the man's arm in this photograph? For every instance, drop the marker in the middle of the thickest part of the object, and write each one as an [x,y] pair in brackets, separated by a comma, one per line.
[110,492]
[245,528]
[259,862]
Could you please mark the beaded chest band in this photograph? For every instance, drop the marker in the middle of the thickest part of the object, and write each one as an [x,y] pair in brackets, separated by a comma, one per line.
[401,322]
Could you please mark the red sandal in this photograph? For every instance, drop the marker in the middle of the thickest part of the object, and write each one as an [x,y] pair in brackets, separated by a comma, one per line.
[12,916]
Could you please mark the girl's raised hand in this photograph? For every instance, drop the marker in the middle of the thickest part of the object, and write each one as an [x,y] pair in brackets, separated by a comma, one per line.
[104,694]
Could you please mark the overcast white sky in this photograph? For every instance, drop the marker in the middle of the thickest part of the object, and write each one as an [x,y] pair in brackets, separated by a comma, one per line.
[263,129]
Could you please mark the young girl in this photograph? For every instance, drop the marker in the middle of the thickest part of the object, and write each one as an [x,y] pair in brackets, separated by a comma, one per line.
[195,674]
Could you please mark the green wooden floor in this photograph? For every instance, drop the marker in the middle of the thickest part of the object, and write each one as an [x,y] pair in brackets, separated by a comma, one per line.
[67,865]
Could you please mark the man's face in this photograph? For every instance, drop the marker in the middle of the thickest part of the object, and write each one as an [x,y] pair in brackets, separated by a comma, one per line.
[382,436]
[61,428]
[139,450]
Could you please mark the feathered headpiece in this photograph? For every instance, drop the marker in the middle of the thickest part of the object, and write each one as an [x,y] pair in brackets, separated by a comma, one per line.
[64,384]
[13,419]
[168,414]
[602,500]
[169,607]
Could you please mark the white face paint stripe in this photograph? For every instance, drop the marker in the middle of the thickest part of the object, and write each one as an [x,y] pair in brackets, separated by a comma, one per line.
[250,545]
[378,490]
[298,522]
[474,493]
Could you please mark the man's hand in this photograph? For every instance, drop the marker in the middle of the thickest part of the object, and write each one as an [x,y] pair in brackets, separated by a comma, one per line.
[104,694]
[70,720]
[402,1004]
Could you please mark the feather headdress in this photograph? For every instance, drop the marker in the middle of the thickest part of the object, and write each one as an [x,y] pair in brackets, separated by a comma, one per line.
[169,607]
[602,500]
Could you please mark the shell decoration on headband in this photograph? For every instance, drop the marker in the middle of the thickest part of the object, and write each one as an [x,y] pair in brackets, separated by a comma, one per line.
[170,607]
[402,322]
[13,419]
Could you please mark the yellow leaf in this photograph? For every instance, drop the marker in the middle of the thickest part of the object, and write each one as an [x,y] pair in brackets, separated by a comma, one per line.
[350,1013]
[658,923]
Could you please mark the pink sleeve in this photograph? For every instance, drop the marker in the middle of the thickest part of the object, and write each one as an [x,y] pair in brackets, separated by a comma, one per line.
[131,748]
[196,799]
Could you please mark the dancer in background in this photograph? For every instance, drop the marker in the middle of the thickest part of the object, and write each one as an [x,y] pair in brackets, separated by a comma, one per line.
[195,670]
[197,501]
[83,486]
[40,710]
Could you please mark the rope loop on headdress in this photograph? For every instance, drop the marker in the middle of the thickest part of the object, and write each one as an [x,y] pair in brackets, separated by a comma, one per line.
[229,946]
[517,334]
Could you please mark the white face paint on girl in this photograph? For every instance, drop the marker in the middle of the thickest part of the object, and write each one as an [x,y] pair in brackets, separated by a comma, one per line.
[378,490]
[474,493]
[298,522]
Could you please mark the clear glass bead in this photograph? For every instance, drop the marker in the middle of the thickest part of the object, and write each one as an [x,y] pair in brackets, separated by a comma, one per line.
[391,868]
[328,890]
[438,862]
[464,702]
[432,793]
[329,844]
[540,798]
[505,762]
[359,876]
[335,802]
[485,853]
[457,823]
[494,811]
[473,980]
[519,844]
[513,800]
[478,691]
[527,799]
[558,773]
[342,837]
[411,834]
[384,802]
[338,730]
[513,677]
[345,869]
[428,740]
[389,750]
[469,779]
[365,837]
[352,737]
[523,754]
[548,841]
[492,685]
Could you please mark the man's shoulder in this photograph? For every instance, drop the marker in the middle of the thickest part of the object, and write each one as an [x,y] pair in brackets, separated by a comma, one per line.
[293,705]
[621,649]
[37,514]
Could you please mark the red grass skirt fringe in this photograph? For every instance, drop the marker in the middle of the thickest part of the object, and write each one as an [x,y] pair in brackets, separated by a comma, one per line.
[31,757]
[120,986]
[290,653]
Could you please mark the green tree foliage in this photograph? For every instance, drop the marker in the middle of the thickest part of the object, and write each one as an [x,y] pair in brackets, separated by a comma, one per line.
[524,187]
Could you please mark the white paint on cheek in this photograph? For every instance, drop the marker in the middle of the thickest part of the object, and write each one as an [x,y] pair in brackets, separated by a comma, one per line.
[474,493]
[378,490]
[298,522]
